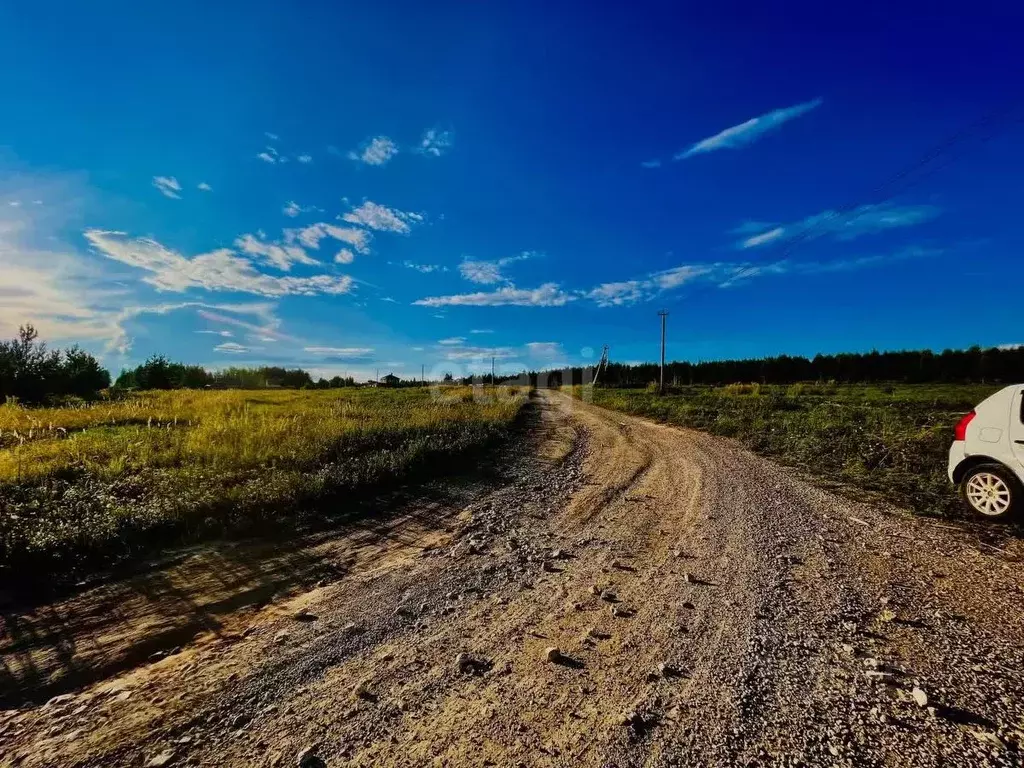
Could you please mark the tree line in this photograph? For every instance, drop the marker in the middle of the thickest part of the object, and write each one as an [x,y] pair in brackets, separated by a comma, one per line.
[974,365]
[160,373]
[31,373]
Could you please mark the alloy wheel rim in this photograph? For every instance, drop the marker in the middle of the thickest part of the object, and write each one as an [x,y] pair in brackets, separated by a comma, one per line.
[988,493]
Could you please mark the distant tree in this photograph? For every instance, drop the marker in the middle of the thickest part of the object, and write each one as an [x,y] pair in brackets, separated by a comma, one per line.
[32,373]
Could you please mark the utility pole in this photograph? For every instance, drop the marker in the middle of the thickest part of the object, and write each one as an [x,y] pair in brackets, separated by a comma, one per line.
[661,382]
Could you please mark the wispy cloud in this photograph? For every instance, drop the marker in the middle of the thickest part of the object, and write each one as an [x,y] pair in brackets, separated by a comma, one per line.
[424,268]
[731,274]
[305,159]
[453,341]
[481,330]
[545,349]
[547,295]
[202,185]
[276,254]
[270,155]
[64,297]
[265,328]
[344,256]
[168,186]
[651,164]
[225,334]
[382,218]
[479,353]
[864,220]
[436,142]
[233,348]
[339,351]
[358,239]
[628,292]
[488,272]
[377,151]
[748,132]
[271,136]
[219,270]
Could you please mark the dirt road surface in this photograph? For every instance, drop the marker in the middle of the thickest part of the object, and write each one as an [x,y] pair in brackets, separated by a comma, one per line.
[707,606]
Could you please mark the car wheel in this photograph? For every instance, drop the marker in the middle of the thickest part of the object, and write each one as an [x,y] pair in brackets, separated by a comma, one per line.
[992,491]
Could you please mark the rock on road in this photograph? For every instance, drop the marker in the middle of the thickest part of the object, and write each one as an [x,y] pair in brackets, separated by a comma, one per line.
[630,594]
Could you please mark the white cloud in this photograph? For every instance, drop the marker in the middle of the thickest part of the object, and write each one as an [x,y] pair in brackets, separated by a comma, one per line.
[305,159]
[311,236]
[643,289]
[339,351]
[344,256]
[436,142]
[382,218]
[424,268]
[651,164]
[204,186]
[275,254]
[763,238]
[225,334]
[462,353]
[377,151]
[727,275]
[453,341]
[1010,347]
[63,297]
[617,293]
[547,295]
[291,208]
[488,272]
[864,220]
[270,155]
[481,330]
[233,348]
[545,349]
[168,186]
[219,270]
[266,327]
[271,136]
[746,133]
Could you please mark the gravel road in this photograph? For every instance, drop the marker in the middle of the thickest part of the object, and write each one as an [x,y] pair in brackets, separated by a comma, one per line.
[625,594]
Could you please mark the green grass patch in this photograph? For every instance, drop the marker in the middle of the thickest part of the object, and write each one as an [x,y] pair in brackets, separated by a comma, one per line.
[94,484]
[893,440]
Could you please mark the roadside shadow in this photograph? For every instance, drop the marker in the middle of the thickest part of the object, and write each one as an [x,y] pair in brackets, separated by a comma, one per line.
[53,642]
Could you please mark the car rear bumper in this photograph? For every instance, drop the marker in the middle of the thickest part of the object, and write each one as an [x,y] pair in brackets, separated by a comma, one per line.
[957,453]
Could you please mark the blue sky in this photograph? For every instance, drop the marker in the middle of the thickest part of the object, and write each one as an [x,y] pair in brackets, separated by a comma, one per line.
[353,187]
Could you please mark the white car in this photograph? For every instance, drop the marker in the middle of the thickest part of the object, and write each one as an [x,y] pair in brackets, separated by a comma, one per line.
[987,457]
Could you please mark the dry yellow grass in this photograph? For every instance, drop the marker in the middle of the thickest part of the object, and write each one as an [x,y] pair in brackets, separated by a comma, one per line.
[100,476]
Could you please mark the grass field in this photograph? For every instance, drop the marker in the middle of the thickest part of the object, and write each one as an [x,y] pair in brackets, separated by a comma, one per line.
[86,486]
[889,439]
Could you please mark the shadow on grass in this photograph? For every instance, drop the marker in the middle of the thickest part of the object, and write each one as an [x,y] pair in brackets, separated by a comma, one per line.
[56,637]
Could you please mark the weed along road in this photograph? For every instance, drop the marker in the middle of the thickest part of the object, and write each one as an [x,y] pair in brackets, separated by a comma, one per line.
[620,593]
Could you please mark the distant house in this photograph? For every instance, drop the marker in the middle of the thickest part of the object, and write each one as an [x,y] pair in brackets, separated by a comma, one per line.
[390,380]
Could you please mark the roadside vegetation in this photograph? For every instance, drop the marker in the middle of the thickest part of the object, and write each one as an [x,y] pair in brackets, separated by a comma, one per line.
[889,439]
[93,483]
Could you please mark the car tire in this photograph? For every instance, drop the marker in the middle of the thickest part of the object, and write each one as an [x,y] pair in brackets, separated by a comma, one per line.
[992,491]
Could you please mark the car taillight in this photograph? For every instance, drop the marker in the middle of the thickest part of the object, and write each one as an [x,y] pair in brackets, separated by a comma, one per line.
[960,433]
